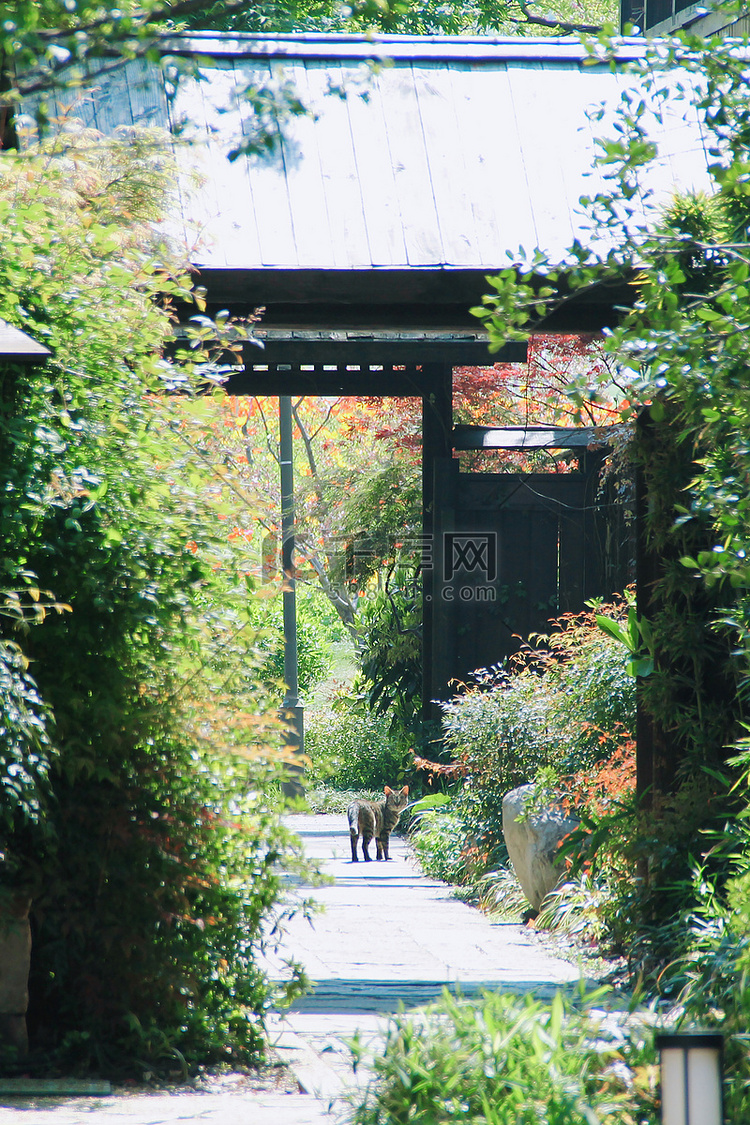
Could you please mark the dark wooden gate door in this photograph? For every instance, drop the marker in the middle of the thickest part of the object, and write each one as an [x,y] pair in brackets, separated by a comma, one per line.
[507,553]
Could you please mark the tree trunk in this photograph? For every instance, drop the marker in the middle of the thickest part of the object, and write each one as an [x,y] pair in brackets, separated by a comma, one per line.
[15,958]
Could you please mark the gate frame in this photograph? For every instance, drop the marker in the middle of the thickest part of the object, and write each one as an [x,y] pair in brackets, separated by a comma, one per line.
[404,364]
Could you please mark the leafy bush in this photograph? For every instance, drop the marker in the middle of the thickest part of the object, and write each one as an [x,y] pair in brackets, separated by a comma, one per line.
[550,706]
[314,636]
[25,748]
[150,919]
[707,981]
[26,752]
[351,748]
[710,983]
[439,840]
[143,747]
[509,1061]
[559,710]
[391,630]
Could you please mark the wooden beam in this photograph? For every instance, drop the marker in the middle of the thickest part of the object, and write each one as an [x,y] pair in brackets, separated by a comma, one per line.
[437,423]
[370,349]
[521,437]
[291,379]
[388,296]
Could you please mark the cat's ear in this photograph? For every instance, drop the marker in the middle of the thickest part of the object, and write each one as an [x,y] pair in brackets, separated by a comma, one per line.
[405,791]
[388,790]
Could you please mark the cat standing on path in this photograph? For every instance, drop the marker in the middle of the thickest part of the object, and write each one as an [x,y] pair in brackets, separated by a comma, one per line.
[376,818]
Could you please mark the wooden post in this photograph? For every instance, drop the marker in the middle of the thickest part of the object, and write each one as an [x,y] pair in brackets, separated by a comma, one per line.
[437,444]
[291,706]
[646,574]
[657,756]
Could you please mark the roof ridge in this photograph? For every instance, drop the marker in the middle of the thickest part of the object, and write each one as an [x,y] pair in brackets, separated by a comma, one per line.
[366,46]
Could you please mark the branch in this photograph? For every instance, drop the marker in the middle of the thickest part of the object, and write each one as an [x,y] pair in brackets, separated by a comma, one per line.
[559,25]
[272,448]
[103,37]
[139,19]
[307,441]
[325,421]
[340,601]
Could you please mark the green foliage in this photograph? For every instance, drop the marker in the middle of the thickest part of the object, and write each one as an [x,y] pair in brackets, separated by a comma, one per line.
[708,979]
[507,1061]
[25,754]
[149,921]
[681,350]
[439,842]
[391,661]
[350,747]
[400,17]
[141,747]
[561,706]
[315,632]
[382,515]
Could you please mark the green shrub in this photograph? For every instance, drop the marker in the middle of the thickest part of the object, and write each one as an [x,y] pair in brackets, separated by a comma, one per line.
[25,750]
[709,981]
[439,839]
[150,920]
[351,748]
[509,1061]
[142,758]
[314,637]
[391,662]
[558,709]
[549,707]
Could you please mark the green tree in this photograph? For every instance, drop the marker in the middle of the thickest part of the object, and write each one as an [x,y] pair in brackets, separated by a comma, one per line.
[141,753]
[403,17]
[356,489]
[681,350]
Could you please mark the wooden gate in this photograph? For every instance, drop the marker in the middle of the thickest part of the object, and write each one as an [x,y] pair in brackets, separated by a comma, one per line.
[508,552]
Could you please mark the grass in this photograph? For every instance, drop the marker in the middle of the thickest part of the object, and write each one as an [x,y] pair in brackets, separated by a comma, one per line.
[510,1061]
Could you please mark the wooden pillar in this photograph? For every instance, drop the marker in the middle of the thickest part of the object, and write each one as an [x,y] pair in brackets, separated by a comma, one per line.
[291,709]
[437,445]
[646,573]
[656,759]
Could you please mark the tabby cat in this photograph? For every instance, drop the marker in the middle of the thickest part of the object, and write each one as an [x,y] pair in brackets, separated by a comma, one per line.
[376,818]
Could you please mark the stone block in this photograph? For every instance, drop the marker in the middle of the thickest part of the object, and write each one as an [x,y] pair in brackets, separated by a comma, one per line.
[532,841]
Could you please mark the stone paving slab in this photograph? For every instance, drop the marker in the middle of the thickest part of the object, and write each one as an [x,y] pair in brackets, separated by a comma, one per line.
[169,1109]
[384,926]
[387,938]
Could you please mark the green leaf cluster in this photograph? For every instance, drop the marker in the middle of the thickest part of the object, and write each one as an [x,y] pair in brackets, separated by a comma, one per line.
[681,353]
[139,765]
[353,749]
[560,707]
[391,658]
[502,1060]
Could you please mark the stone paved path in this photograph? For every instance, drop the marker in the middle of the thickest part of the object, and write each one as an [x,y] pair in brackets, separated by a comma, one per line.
[387,936]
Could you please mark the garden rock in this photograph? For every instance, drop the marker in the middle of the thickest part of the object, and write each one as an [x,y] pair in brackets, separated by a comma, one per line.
[532,842]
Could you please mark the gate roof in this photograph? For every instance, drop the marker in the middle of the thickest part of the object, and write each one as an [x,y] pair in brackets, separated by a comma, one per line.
[422,163]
